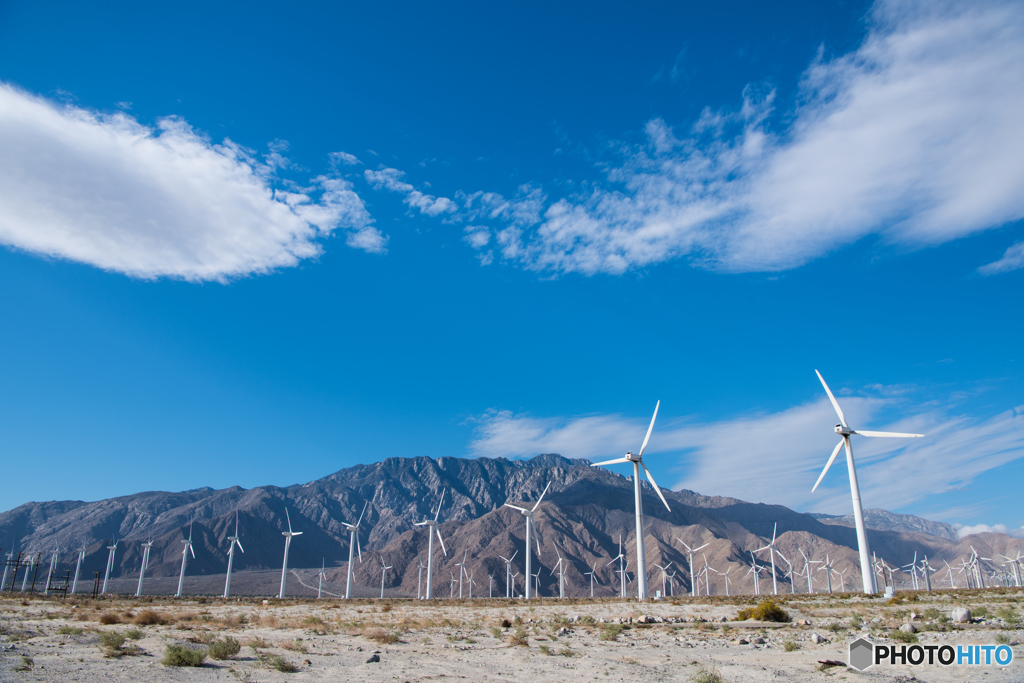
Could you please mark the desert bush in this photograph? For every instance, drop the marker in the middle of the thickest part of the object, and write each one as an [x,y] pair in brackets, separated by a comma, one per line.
[134,634]
[566,651]
[224,649]
[505,623]
[903,636]
[269,621]
[111,642]
[69,631]
[26,664]
[766,610]
[707,676]
[610,632]
[295,646]
[980,612]
[386,608]
[496,632]
[587,619]
[277,662]
[257,643]
[147,617]
[545,650]
[109,618]
[518,637]
[1007,615]
[181,655]
[1002,639]
[313,620]
[380,635]
[931,614]
[790,645]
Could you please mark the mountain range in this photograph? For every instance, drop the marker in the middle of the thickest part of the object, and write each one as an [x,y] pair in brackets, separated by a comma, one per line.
[582,519]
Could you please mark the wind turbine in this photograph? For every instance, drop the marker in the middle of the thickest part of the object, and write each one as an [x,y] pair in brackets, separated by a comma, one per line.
[913,571]
[725,575]
[451,589]
[145,565]
[110,565]
[827,568]
[846,432]
[235,540]
[592,574]
[771,550]
[508,574]
[529,523]
[462,570]
[383,572]
[925,568]
[808,568]
[471,583]
[789,573]
[621,570]
[321,576]
[431,525]
[288,535]
[560,566]
[490,586]
[53,566]
[78,567]
[952,580]
[1014,566]
[10,556]
[184,558]
[353,545]
[693,589]
[664,570]
[419,579]
[755,569]
[641,557]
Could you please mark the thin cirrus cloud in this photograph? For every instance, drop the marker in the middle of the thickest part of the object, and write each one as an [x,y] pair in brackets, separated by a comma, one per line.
[776,457]
[148,202]
[914,137]
[392,179]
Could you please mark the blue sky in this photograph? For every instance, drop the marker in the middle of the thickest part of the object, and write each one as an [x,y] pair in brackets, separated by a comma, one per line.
[254,245]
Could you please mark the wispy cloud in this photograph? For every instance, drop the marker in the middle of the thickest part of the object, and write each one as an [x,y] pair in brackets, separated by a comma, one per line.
[776,457]
[914,138]
[1013,259]
[962,531]
[158,202]
[391,179]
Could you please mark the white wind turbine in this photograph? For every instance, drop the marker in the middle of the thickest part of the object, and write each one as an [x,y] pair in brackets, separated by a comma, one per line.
[691,551]
[49,573]
[592,574]
[471,583]
[146,547]
[234,540]
[756,570]
[913,571]
[809,568]
[771,549]
[110,565]
[353,545]
[462,570]
[1014,563]
[419,580]
[431,525]
[490,585]
[451,589]
[383,572]
[560,567]
[846,432]
[725,575]
[321,576]
[636,460]
[508,574]
[529,524]
[10,557]
[78,568]
[621,571]
[184,558]
[827,568]
[664,573]
[925,569]
[288,535]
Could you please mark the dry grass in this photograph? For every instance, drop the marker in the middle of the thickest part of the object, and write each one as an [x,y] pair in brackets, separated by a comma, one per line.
[109,618]
[380,635]
[269,621]
[148,617]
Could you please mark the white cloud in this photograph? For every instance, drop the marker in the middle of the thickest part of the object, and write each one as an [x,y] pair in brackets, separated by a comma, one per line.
[391,179]
[110,192]
[914,137]
[1013,259]
[345,158]
[962,531]
[776,457]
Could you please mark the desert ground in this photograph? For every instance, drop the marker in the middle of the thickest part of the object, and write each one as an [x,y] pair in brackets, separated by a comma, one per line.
[698,640]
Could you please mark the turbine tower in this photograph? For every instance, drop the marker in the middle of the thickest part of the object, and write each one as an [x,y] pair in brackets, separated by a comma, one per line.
[110,565]
[321,576]
[235,540]
[78,568]
[771,549]
[431,525]
[844,430]
[288,535]
[508,574]
[353,544]
[383,572]
[184,558]
[641,558]
[529,523]
[592,573]
[621,570]
[145,565]
[691,551]
[49,573]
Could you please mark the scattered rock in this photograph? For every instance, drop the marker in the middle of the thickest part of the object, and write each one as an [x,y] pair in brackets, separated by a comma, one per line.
[817,639]
[742,641]
[758,641]
[876,620]
[908,628]
[306,662]
[960,615]
[564,631]
[373,658]
[724,619]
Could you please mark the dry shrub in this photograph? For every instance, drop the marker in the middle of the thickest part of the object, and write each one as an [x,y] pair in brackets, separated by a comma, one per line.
[147,617]
[380,635]
[255,643]
[269,621]
[518,637]
[295,646]
[767,610]
[108,618]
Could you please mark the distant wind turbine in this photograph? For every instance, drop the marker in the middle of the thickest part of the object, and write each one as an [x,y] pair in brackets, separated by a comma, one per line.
[353,545]
[78,568]
[508,574]
[529,524]
[432,529]
[636,460]
[846,432]
[691,551]
[145,565]
[288,535]
[110,565]
[560,567]
[49,573]
[771,549]
[383,572]
[592,574]
[621,570]
[321,576]
[235,540]
[184,558]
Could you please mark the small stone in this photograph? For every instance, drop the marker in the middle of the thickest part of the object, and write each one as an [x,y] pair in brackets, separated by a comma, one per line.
[724,619]
[960,615]
[908,628]
[306,662]
[373,658]
[876,620]
[742,641]
[817,640]
[758,641]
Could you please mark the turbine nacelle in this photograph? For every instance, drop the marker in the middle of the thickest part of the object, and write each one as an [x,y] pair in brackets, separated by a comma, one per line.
[844,431]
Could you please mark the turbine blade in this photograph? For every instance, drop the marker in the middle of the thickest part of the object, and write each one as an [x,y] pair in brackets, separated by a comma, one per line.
[657,489]
[835,404]
[899,435]
[775,530]
[442,541]
[289,518]
[703,546]
[835,452]
[359,549]
[362,513]
[616,461]
[537,504]
[192,551]
[439,504]
[240,545]
[649,430]
[515,507]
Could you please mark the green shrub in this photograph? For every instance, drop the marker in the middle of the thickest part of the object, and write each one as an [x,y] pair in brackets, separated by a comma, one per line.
[224,649]
[518,637]
[790,645]
[147,617]
[610,632]
[179,655]
[278,662]
[980,612]
[69,631]
[545,650]
[931,614]
[111,642]
[1002,639]
[134,634]
[767,610]
[1007,615]
[903,636]
[707,676]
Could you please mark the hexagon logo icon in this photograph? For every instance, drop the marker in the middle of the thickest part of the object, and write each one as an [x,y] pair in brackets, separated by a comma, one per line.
[862,654]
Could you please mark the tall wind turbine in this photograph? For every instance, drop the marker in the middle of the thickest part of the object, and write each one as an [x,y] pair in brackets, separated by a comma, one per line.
[844,430]
[110,565]
[592,574]
[353,545]
[771,549]
[184,558]
[560,568]
[529,524]
[235,540]
[419,580]
[288,535]
[145,565]
[621,570]
[10,556]
[431,525]
[691,551]
[78,568]
[321,576]
[49,573]
[508,574]
[664,576]
[383,572]
[462,570]
[641,558]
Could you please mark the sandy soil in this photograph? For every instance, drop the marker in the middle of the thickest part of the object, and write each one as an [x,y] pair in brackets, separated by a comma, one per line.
[331,640]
